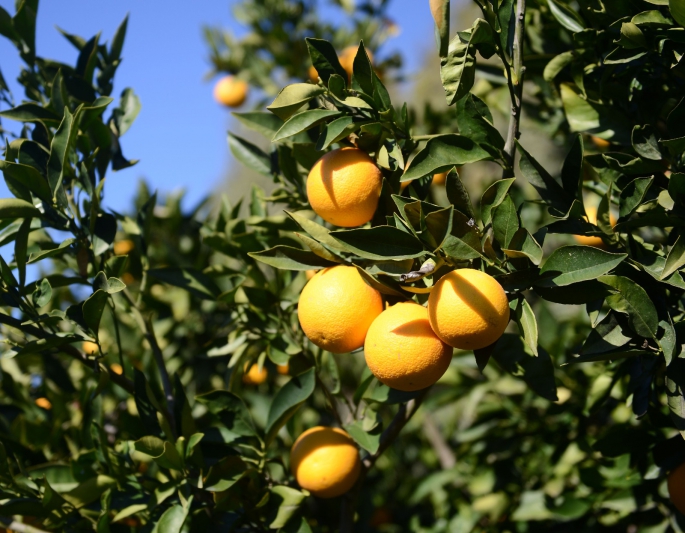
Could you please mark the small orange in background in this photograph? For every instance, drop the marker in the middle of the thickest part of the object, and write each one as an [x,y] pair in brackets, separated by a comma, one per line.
[255,375]
[230,91]
[283,370]
[90,348]
[344,186]
[402,350]
[676,487]
[325,461]
[123,247]
[600,144]
[593,240]
[468,309]
[44,403]
[116,368]
[310,273]
[313,74]
[440,178]
[347,58]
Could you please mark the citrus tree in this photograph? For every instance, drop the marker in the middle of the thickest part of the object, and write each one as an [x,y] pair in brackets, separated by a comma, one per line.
[502,362]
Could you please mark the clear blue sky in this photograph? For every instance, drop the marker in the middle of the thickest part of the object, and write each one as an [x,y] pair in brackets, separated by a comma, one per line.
[180,134]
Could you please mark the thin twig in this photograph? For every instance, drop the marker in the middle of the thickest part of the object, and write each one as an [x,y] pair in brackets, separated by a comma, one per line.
[163,372]
[442,450]
[118,379]
[349,502]
[515,82]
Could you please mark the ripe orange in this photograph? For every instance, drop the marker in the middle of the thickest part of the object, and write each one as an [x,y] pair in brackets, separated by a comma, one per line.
[325,461]
[90,348]
[123,247]
[402,350]
[676,487]
[440,178]
[344,186]
[347,59]
[44,403]
[313,74]
[283,370]
[230,91]
[310,273]
[592,240]
[255,376]
[468,309]
[116,368]
[337,307]
[601,144]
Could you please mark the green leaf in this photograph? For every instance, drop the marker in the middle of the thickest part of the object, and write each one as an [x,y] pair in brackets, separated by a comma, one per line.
[317,231]
[572,171]
[677,8]
[145,407]
[492,197]
[283,503]
[16,208]
[457,194]
[633,195]
[288,258]
[249,155]
[31,113]
[164,452]
[20,177]
[645,143]
[93,308]
[442,153]
[675,259]
[631,299]
[602,121]
[20,246]
[458,67]
[505,221]
[59,154]
[265,123]
[557,64]
[363,70]
[440,9]
[189,279]
[232,409]
[42,294]
[575,263]
[118,40]
[108,285]
[288,400]
[527,324]
[335,131]
[173,518]
[89,491]
[523,244]
[475,122]
[549,189]
[292,98]
[369,440]
[380,242]
[325,59]
[566,16]
[125,114]
[302,122]
[51,249]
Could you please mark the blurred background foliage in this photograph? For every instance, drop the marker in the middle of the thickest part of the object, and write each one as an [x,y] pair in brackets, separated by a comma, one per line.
[125,404]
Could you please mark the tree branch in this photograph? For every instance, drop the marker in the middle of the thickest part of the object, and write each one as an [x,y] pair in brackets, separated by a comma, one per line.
[400,420]
[515,82]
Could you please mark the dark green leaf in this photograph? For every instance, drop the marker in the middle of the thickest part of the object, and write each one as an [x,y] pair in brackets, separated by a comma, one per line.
[288,258]
[442,153]
[189,279]
[303,121]
[631,299]
[566,16]
[505,221]
[249,155]
[575,263]
[292,98]
[380,242]
[288,400]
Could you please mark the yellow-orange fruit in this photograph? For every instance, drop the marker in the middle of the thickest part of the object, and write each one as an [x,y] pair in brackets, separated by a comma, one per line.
[255,375]
[230,91]
[347,59]
[676,487]
[90,348]
[344,186]
[44,403]
[601,144]
[310,273]
[116,368]
[402,350]
[468,309]
[337,307]
[313,74]
[440,178]
[325,461]
[593,240]
[123,247]
[283,370]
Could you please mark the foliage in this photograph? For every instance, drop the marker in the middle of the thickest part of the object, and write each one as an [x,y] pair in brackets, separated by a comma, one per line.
[569,422]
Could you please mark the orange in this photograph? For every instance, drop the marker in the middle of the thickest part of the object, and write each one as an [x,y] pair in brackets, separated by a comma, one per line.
[347,59]
[255,375]
[90,348]
[344,186]
[44,403]
[592,240]
[601,144]
[402,350]
[337,307]
[123,247]
[313,74]
[676,487]
[440,178]
[116,368]
[310,273]
[468,309]
[283,370]
[325,461]
[230,91]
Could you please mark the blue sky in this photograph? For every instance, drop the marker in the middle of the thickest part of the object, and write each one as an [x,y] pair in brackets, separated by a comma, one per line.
[180,134]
